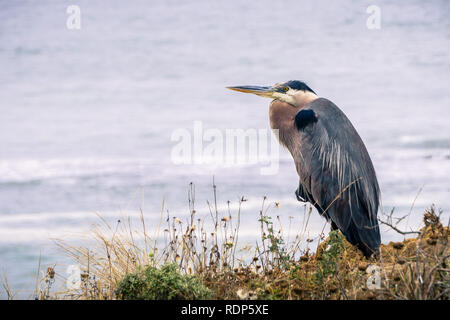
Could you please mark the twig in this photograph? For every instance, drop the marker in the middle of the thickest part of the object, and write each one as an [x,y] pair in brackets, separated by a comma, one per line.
[396,229]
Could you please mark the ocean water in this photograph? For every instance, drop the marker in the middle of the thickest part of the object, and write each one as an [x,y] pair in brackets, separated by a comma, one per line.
[87,116]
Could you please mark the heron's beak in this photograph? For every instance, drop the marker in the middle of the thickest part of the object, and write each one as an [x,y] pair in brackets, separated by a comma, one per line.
[267,92]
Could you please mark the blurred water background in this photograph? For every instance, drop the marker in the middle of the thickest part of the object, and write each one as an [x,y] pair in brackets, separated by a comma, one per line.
[86,116]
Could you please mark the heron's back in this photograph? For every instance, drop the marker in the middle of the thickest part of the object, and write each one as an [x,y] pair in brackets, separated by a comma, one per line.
[336,172]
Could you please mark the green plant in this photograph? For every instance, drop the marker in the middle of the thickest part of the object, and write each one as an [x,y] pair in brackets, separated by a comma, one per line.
[328,264]
[276,245]
[167,283]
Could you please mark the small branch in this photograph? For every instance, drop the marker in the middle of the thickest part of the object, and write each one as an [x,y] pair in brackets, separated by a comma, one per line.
[398,230]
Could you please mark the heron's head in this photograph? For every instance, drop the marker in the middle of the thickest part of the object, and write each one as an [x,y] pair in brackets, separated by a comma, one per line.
[293,92]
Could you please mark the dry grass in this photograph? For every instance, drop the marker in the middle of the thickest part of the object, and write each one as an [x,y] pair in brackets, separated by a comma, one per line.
[275,268]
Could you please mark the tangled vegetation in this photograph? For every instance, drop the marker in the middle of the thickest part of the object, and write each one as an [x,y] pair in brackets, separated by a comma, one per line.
[195,262]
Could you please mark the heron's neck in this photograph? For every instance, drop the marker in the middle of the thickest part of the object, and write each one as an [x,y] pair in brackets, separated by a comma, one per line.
[301,98]
[281,115]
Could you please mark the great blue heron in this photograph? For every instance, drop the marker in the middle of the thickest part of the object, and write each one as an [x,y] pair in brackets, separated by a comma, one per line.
[336,173]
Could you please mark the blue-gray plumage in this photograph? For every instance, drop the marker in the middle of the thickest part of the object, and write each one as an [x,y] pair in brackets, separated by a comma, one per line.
[336,173]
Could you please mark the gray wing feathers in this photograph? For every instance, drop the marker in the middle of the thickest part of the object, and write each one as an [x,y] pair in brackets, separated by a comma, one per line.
[335,168]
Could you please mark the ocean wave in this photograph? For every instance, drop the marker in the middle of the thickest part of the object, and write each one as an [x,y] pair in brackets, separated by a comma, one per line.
[418,142]
[35,170]
[68,171]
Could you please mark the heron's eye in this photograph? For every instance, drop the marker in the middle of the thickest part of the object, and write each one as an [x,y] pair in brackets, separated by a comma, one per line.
[286,89]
